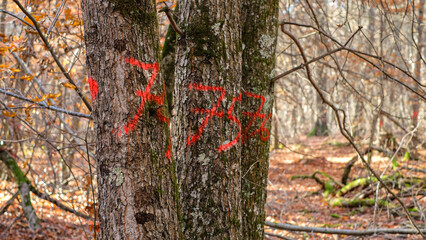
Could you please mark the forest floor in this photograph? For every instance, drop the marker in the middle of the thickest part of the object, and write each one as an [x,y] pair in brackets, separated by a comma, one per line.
[298,202]
[301,202]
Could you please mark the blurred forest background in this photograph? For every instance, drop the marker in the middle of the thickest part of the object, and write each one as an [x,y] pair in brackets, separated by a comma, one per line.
[368,58]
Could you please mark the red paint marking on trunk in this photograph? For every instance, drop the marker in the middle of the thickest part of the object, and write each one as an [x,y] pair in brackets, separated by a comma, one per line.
[209,112]
[147,96]
[415,115]
[246,135]
[213,112]
[263,129]
[233,119]
[94,88]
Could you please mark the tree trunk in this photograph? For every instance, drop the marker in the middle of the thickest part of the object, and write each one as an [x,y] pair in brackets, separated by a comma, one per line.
[24,185]
[136,175]
[206,130]
[260,18]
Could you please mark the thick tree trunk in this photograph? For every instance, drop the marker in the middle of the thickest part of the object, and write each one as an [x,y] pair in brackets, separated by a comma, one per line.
[206,129]
[136,176]
[260,18]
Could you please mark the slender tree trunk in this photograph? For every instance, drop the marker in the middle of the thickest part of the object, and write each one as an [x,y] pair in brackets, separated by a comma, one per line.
[260,18]
[418,65]
[135,172]
[206,130]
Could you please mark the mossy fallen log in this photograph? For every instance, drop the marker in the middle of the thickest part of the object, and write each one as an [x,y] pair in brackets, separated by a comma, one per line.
[345,202]
[364,182]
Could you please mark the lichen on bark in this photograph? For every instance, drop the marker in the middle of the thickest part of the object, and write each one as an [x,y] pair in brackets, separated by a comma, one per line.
[260,19]
[209,179]
[136,191]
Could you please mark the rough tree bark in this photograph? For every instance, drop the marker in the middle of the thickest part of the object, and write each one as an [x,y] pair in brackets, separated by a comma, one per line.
[168,62]
[205,126]
[136,179]
[259,36]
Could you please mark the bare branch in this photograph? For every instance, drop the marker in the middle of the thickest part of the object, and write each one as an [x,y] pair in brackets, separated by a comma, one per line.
[369,232]
[46,42]
[44,105]
[357,52]
[343,129]
[58,203]
[56,17]
[20,19]
[175,27]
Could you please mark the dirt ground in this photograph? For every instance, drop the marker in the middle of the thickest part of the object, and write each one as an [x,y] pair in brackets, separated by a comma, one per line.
[298,202]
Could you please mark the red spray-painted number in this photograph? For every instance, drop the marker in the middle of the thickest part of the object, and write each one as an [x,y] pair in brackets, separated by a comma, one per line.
[261,130]
[233,119]
[213,112]
[94,88]
[146,96]
[193,138]
[415,115]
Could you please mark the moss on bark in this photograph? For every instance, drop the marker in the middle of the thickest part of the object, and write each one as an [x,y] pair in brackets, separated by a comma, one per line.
[136,11]
[260,21]
[168,64]
[145,196]
[209,179]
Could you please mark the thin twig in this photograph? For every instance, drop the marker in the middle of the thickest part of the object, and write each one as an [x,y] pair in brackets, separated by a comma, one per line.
[44,105]
[168,13]
[58,203]
[56,18]
[91,183]
[344,131]
[8,203]
[11,224]
[20,19]
[278,236]
[46,42]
